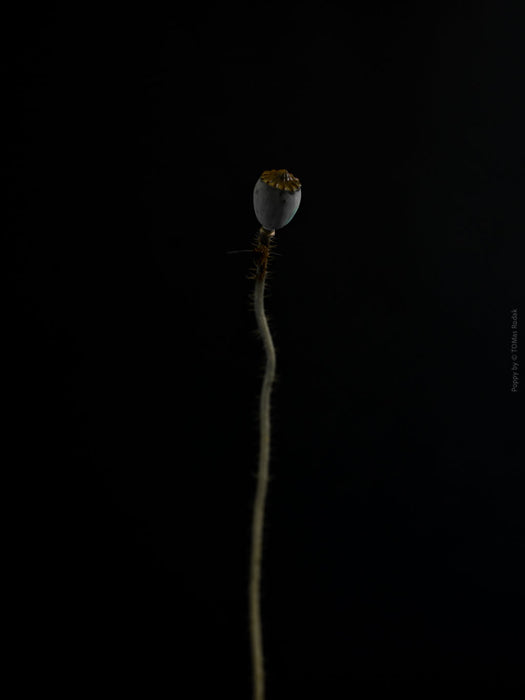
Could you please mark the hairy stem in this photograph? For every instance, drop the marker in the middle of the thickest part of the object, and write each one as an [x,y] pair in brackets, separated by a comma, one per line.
[262,251]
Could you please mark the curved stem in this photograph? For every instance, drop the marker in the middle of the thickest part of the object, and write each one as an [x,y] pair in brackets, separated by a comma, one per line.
[263,468]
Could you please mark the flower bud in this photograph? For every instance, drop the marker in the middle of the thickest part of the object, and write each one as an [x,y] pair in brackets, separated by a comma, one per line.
[276,198]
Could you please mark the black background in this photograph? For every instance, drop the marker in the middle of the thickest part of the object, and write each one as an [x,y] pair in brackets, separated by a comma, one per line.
[395,534]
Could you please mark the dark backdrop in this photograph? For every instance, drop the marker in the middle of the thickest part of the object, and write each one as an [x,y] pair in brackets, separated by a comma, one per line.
[395,533]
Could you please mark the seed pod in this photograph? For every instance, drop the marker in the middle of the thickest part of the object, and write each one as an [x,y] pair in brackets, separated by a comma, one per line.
[276,198]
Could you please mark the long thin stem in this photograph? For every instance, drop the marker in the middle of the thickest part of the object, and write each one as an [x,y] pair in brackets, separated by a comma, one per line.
[262,252]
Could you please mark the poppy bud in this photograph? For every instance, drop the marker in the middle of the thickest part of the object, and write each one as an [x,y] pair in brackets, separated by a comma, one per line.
[276,198]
